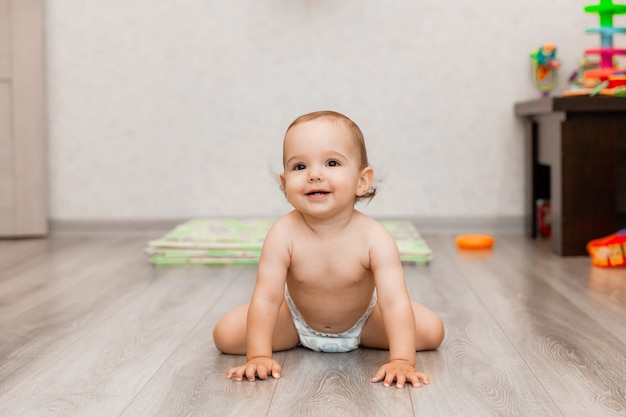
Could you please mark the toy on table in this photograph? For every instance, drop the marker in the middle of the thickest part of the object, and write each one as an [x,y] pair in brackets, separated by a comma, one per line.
[577,79]
[609,250]
[603,77]
[475,241]
[544,68]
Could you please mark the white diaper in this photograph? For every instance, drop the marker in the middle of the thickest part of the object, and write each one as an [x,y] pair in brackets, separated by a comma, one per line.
[328,342]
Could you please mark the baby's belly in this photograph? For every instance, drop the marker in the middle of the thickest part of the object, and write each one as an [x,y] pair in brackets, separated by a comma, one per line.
[335,320]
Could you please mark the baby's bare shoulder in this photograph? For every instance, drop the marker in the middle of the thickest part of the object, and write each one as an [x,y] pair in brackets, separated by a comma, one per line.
[368,227]
[375,238]
[288,222]
[283,228]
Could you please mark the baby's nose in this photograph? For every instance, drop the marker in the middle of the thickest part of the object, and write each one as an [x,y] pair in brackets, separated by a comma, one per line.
[315,176]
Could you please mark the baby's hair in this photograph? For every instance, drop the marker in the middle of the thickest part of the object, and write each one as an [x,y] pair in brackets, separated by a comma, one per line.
[358,137]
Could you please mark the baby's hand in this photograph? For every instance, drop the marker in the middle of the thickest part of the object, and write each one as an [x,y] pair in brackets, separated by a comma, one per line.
[262,367]
[401,372]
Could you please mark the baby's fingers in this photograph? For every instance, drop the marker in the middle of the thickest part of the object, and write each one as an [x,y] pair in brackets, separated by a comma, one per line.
[236,372]
[251,372]
[387,376]
[276,369]
[400,380]
[401,374]
[417,377]
[262,372]
[379,375]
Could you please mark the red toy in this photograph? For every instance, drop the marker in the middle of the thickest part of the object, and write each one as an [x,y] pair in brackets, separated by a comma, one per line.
[608,251]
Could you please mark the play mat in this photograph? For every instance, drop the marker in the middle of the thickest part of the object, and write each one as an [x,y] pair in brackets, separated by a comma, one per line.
[239,242]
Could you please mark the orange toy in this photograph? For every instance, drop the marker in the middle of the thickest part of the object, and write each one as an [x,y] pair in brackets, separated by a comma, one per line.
[475,241]
[608,251]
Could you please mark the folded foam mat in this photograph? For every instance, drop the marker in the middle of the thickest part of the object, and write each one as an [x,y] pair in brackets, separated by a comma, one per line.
[229,241]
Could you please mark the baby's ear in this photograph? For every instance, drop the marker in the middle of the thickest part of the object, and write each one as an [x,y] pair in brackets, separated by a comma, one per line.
[282,181]
[365,181]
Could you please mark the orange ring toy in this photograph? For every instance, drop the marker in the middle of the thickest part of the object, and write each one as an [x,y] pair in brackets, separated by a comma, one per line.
[475,241]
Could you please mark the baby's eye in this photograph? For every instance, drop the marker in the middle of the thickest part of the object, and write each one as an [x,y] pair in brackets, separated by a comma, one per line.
[332,163]
[299,167]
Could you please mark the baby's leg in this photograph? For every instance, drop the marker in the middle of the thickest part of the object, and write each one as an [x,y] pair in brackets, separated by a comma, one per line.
[429,331]
[229,333]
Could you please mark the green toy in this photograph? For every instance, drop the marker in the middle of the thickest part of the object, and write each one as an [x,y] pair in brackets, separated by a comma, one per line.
[604,78]
[544,68]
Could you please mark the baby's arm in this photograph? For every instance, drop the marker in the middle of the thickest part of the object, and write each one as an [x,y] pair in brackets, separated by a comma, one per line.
[397,311]
[263,311]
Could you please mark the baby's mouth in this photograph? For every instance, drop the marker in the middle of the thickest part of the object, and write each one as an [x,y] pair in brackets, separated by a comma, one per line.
[318,193]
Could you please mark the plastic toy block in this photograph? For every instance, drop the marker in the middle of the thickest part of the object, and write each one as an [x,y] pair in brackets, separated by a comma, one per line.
[608,251]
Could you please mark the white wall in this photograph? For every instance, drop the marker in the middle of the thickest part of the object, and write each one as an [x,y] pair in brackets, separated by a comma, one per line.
[171,109]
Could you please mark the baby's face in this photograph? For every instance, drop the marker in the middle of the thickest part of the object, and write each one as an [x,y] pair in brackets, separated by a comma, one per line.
[322,173]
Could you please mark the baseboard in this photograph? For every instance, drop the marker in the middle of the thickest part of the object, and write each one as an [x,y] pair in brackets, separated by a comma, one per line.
[454,225]
[103,227]
[157,227]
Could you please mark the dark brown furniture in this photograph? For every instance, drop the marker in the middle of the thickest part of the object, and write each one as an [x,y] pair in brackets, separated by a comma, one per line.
[576,158]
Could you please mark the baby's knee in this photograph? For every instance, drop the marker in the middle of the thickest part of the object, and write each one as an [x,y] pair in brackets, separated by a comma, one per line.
[226,340]
[229,334]
[430,331]
[220,337]
[435,335]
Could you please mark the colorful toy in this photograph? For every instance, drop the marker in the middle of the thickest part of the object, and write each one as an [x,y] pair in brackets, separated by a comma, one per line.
[544,68]
[608,251]
[578,77]
[602,78]
[475,241]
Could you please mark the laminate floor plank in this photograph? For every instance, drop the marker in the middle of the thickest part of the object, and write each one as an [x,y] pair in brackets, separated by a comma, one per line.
[336,384]
[577,362]
[63,265]
[27,346]
[477,371]
[14,252]
[200,388]
[118,357]
[89,328]
[600,292]
[49,320]
[19,255]
[192,382]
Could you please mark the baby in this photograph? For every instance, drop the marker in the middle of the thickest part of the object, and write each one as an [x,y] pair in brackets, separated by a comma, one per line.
[329,277]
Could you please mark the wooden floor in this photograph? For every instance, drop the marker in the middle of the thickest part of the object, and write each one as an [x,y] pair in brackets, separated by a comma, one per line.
[89,328]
